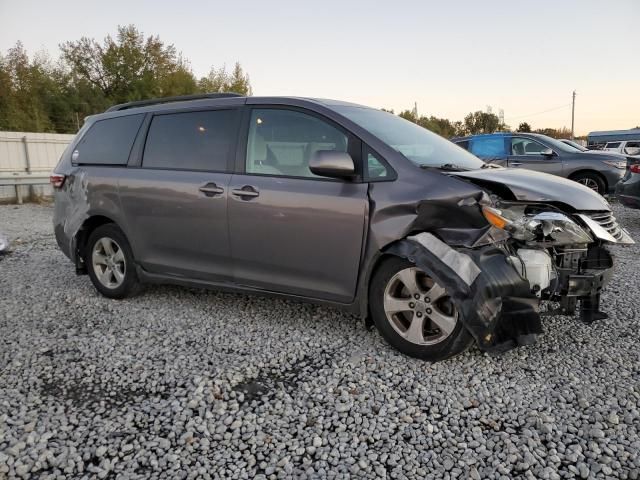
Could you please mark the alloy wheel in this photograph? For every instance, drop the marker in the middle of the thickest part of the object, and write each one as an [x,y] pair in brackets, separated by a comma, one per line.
[418,308]
[591,183]
[108,262]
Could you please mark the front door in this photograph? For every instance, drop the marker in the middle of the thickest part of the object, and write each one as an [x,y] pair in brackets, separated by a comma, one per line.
[290,230]
[176,202]
[527,153]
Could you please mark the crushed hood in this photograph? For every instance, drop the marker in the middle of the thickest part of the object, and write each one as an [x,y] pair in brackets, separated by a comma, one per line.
[528,185]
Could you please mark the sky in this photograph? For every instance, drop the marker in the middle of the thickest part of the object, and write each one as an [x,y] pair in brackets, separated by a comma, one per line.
[451,57]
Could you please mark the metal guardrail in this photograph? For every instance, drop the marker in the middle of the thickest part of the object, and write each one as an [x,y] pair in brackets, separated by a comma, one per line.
[25,178]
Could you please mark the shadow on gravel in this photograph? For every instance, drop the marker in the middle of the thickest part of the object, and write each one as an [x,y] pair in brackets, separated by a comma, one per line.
[84,394]
[265,385]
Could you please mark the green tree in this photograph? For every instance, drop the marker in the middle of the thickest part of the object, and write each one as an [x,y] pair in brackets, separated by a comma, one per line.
[31,98]
[524,127]
[563,132]
[481,122]
[441,126]
[39,95]
[128,67]
[219,80]
[408,115]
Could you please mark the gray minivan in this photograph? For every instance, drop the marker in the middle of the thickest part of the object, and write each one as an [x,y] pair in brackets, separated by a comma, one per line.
[335,203]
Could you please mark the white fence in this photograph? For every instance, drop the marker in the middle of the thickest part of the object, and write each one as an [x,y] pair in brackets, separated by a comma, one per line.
[23,153]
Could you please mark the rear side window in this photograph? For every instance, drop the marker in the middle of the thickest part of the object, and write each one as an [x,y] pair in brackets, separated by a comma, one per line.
[191,141]
[109,141]
[488,147]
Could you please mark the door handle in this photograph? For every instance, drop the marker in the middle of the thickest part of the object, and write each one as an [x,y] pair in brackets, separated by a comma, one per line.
[515,164]
[247,191]
[211,189]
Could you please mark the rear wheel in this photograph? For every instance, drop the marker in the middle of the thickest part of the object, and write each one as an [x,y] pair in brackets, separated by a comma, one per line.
[414,313]
[109,262]
[591,180]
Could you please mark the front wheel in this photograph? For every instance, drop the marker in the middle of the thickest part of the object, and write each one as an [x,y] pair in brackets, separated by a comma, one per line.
[591,180]
[414,313]
[110,262]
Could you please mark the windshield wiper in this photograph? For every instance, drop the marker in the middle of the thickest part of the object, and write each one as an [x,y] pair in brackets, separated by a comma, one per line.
[450,167]
[490,165]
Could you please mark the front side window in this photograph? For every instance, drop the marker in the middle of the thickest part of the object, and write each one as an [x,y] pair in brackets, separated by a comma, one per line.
[191,141]
[612,145]
[281,142]
[108,141]
[526,146]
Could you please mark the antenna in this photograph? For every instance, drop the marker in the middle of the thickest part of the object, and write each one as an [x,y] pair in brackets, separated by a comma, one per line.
[573,113]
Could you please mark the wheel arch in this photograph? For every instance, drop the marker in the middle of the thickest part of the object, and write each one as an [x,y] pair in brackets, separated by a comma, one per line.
[82,236]
[374,264]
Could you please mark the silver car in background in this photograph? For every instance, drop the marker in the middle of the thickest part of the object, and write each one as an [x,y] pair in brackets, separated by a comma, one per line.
[597,170]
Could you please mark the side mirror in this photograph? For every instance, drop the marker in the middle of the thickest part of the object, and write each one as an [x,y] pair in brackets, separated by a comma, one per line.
[330,163]
[547,152]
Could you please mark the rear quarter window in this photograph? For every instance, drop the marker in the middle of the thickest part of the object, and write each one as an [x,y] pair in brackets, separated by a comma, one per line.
[108,141]
[488,147]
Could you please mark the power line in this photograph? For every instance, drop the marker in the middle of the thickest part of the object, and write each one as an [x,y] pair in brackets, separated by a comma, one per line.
[539,113]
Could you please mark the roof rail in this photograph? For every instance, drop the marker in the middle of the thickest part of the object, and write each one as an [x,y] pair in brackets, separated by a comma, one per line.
[180,98]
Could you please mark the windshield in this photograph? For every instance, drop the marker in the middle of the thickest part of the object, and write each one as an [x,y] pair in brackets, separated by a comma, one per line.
[557,144]
[575,145]
[419,145]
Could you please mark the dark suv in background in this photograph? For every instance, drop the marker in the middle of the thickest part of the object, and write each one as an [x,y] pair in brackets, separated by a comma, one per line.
[597,170]
[334,203]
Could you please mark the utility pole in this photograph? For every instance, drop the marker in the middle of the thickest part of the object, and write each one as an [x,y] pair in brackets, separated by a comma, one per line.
[573,114]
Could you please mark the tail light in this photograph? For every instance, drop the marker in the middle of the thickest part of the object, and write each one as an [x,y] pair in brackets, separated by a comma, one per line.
[56,180]
[635,168]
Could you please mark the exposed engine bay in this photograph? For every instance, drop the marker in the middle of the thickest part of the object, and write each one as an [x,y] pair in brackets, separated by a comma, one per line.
[563,256]
[529,252]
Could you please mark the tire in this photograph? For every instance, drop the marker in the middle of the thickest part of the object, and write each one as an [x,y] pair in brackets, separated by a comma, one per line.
[439,333]
[110,263]
[591,180]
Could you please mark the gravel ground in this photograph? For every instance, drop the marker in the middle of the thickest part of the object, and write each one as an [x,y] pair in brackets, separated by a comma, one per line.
[179,383]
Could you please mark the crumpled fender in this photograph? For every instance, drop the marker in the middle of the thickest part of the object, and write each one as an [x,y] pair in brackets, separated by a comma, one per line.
[495,303]
[72,210]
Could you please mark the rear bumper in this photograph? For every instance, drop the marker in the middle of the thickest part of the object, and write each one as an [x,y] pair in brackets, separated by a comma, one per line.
[628,191]
[614,177]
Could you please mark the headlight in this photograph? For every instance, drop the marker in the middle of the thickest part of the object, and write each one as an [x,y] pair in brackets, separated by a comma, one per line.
[622,165]
[549,228]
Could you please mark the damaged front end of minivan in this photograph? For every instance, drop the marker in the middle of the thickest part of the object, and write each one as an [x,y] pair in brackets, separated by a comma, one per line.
[501,256]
